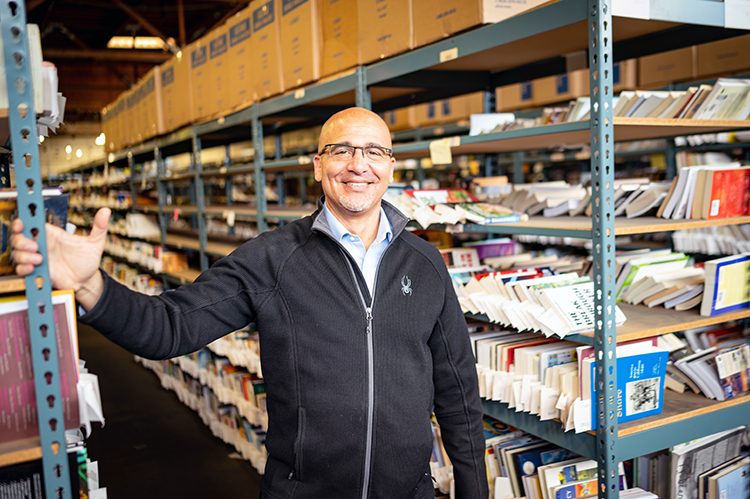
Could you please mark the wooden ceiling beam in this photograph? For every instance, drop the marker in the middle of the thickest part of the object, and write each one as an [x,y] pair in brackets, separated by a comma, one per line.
[144,56]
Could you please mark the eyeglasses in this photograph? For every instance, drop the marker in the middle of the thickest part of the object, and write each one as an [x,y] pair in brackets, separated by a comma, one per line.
[344,152]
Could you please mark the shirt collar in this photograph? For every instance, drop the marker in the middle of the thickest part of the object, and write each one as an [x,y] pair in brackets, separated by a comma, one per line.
[385,232]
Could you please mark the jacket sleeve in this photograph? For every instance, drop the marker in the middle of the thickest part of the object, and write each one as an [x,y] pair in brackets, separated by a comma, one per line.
[223,299]
[457,405]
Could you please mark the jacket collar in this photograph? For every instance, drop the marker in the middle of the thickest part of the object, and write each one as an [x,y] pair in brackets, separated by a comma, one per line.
[398,220]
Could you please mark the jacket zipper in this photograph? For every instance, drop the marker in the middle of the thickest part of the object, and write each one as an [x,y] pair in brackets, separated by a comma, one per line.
[370,365]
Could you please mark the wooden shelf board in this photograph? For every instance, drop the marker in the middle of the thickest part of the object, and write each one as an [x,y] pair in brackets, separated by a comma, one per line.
[644,322]
[679,407]
[20,451]
[12,284]
[220,249]
[623,225]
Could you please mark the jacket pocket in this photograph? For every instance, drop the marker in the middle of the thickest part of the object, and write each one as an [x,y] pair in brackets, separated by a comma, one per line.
[298,444]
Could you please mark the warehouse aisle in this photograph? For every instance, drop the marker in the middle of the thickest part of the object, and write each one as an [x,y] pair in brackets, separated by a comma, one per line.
[152,445]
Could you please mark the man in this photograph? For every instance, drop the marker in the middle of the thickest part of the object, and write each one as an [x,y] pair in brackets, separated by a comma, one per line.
[361,334]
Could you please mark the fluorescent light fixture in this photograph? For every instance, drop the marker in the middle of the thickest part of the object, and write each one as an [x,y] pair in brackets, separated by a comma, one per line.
[136,42]
[120,42]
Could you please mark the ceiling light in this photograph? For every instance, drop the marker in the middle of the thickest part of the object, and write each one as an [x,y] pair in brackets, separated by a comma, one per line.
[120,42]
[100,140]
[41,139]
[136,42]
[68,149]
[149,42]
[79,153]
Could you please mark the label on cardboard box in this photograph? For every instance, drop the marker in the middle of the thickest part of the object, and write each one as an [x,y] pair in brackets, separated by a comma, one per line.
[167,76]
[289,5]
[198,57]
[263,16]
[526,91]
[561,84]
[239,32]
[218,46]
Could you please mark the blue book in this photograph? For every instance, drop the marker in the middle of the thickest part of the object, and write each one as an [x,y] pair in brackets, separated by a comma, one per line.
[727,285]
[732,482]
[640,384]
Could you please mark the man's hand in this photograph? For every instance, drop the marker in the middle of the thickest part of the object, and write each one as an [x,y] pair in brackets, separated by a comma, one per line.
[73,260]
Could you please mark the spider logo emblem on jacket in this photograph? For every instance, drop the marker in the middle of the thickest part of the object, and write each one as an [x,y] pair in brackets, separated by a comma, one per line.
[406,286]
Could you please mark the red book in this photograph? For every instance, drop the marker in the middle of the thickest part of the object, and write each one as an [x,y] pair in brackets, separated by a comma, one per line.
[726,193]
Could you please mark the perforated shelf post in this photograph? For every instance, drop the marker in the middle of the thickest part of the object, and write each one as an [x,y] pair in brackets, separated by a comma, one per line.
[23,137]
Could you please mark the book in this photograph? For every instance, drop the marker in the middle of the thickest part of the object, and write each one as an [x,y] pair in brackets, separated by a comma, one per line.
[732,481]
[663,281]
[727,285]
[640,268]
[640,382]
[725,192]
[489,213]
[688,461]
[684,295]
[19,418]
[729,92]
[649,200]
[733,367]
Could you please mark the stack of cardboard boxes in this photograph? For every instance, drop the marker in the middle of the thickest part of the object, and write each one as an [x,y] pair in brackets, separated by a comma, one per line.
[273,46]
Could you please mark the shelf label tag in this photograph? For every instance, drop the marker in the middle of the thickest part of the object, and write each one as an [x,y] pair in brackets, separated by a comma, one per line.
[230,218]
[449,55]
[440,152]
[176,214]
[299,94]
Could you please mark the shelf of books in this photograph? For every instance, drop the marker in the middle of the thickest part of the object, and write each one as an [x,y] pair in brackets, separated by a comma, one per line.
[615,332]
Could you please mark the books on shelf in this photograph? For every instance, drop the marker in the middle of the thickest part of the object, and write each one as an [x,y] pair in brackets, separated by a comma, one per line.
[18,415]
[640,268]
[716,240]
[727,285]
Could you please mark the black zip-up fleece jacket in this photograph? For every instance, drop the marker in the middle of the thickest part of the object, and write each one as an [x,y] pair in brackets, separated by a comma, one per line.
[351,379]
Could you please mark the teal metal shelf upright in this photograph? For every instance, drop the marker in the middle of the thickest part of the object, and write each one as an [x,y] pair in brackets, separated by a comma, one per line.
[23,137]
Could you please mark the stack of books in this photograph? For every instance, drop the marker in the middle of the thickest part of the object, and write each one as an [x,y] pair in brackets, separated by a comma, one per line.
[721,240]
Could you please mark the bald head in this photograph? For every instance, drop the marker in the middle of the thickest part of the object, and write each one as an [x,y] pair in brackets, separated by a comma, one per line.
[354,118]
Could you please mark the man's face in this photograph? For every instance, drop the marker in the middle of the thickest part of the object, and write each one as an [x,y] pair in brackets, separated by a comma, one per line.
[357,185]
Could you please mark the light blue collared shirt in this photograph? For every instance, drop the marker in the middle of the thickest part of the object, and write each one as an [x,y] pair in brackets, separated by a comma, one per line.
[367,260]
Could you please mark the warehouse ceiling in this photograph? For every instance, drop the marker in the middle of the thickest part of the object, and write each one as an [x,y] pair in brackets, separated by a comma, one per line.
[75,35]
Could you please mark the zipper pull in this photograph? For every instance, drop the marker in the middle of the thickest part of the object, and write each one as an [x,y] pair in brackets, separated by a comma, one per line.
[369,319]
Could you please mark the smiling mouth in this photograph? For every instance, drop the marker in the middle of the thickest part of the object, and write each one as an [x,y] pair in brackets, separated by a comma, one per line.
[357,184]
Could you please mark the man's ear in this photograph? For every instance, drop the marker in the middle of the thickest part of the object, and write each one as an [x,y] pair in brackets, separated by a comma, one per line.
[317,169]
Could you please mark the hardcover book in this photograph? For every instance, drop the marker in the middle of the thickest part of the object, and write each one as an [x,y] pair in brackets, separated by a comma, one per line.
[727,285]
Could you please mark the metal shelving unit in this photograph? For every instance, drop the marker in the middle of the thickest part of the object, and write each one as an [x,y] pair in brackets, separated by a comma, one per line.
[23,133]
[518,49]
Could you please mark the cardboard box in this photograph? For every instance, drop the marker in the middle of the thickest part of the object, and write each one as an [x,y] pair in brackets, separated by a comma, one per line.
[218,70]
[561,88]
[300,42]
[340,35]
[436,19]
[625,75]
[107,117]
[239,63]
[266,49]
[385,28]
[176,98]
[150,114]
[404,118]
[199,78]
[120,129]
[666,67]
[516,96]
[449,110]
[723,57]
[133,121]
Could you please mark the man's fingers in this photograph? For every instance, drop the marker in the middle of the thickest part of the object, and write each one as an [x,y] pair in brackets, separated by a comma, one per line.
[25,257]
[16,226]
[24,269]
[19,242]
[101,223]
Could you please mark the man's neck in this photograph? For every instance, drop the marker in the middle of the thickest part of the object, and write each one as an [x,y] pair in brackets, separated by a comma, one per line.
[363,224]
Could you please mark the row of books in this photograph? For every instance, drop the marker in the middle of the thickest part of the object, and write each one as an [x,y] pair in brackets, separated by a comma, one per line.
[115,199]
[727,99]
[152,257]
[716,466]
[533,299]
[555,379]
[708,192]
[664,277]
[718,367]
[242,348]
[25,480]
[132,277]
[632,197]
[721,240]
[224,420]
